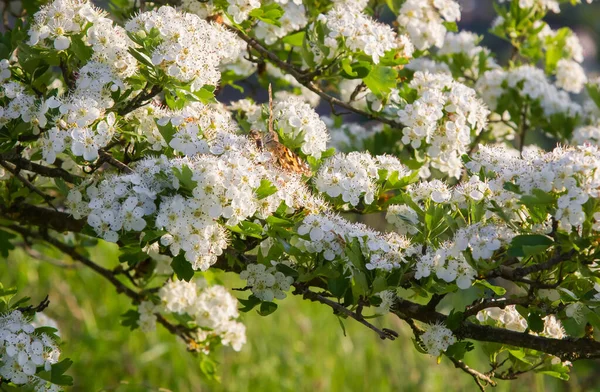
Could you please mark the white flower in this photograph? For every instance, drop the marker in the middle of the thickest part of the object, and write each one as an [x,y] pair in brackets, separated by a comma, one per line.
[437,338]
[570,76]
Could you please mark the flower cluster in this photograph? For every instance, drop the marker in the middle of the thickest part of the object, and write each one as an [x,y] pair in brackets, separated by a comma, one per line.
[348,27]
[443,119]
[464,45]
[298,121]
[530,82]
[115,204]
[586,135]
[196,125]
[330,234]
[18,103]
[572,175]
[293,19]
[55,23]
[266,283]
[423,21]
[437,338]
[189,49]
[449,265]
[356,175]
[404,218]
[212,308]
[23,350]
[509,318]
[482,240]
[570,76]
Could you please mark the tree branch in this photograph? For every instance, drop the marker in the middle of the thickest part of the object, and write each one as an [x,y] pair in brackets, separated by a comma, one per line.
[46,171]
[107,157]
[28,214]
[184,333]
[304,78]
[339,308]
[477,376]
[566,349]
[15,172]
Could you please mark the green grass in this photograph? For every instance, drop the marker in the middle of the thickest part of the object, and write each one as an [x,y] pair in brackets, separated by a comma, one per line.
[301,347]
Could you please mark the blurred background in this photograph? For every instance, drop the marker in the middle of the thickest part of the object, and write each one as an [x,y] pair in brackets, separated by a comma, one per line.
[301,347]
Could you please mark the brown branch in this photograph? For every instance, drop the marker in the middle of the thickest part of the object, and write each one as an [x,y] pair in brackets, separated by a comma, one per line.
[515,274]
[35,309]
[183,332]
[28,214]
[567,349]
[15,172]
[107,157]
[301,77]
[482,304]
[140,100]
[46,171]
[477,376]
[340,309]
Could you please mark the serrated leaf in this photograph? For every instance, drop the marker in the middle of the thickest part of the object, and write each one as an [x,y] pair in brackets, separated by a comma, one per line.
[5,242]
[381,80]
[496,289]
[57,375]
[535,322]
[265,189]
[183,268]
[266,308]
[529,245]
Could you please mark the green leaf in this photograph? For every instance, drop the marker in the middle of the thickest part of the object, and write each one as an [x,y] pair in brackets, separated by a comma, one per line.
[5,244]
[269,13]
[183,268]
[56,375]
[206,94]
[354,253]
[184,175]
[249,229]
[381,80]
[130,319]
[249,303]
[287,270]
[132,255]
[265,189]
[61,186]
[451,26]
[7,294]
[266,308]
[338,286]
[535,322]
[529,245]
[295,39]
[141,57]
[496,289]
[454,320]
[459,349]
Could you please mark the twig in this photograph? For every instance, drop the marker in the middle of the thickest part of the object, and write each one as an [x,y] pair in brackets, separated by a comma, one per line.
[183,332]
[480,305]
[477,376]
[338,308]
[301,77]
[40,308]
[107,157]
[566,349]
[15,172]
[140,100]
[46,171]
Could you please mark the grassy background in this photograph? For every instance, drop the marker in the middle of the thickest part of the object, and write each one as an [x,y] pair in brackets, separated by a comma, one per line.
[301,347]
